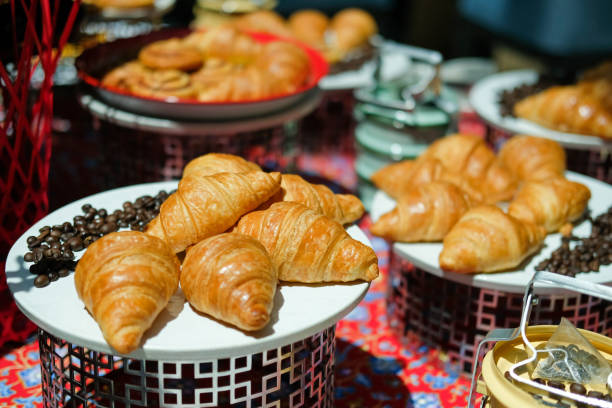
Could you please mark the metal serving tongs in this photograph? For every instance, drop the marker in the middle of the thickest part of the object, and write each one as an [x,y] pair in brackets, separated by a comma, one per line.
[550,280]
[410,94]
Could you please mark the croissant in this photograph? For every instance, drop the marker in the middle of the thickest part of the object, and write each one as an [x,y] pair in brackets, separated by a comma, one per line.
[469,156]
[209,205]
[550,203]
[230,277]
[486,239]
[426,213]
[399,179]
[568,109]
[125,280]
[533,158]
[213,163]
[308,247]
[343,208]
[392,179]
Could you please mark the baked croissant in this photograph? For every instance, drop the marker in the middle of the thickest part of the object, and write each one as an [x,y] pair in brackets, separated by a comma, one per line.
[308,247]
[399,179]
[209,205]
[550,203]
[568,109]
[125,280]
[426,213]
[487,240]
[230,277]
[533,158]
[470,157]
[343,208]
[213,163]
[392,179]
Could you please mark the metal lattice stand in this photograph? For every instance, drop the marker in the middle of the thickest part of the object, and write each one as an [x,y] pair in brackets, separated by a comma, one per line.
[300,374]
[455,317]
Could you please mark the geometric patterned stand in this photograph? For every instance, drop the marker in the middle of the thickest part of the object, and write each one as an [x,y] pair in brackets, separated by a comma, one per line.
[300,374]
[454,317]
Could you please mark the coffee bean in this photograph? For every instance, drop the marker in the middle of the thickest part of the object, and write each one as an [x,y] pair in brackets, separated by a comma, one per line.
[41,281]
[108,228]
[577,389]
[540,381]
[79,220]
[88,240]
[28,257]
[556,384]
[53,276]
[75,243]
[595,394]
[86,208]
[68,255]
[63,272]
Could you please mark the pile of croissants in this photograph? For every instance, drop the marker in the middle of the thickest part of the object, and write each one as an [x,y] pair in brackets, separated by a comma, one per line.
[242,230]
[453,191]
[584,107]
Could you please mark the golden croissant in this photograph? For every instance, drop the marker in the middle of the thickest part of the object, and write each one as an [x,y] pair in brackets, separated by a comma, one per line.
[550,203]
[426,213]
[209,205]
[487,240]
[213,163]
[344,208]
[533,158]
[307,246]
[470,157]
[230,277]
[399,179]
[125,280]
[571,108]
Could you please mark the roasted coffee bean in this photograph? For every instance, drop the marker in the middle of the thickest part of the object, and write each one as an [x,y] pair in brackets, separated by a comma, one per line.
[88,240]
[112,218]
[38,256]
[102,212]
[86,208]
[67,227]
[79,220]
[28,257]
[56,233]
[108,228]
[68,255]
[577,389]
[556,384]
[41,281]
[31,240]
[540,381]
[63,272]
[46,228]
[595,394]
[53,276]
[127,205]
[76,243]
[49,239]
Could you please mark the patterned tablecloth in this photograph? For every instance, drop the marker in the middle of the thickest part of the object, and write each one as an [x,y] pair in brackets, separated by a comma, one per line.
[373,369]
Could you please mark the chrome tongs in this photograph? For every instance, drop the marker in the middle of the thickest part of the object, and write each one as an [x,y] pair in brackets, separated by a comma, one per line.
[410,94]
[546,279]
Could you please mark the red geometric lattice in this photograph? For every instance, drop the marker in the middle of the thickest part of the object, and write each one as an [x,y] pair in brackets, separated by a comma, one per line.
[25,137]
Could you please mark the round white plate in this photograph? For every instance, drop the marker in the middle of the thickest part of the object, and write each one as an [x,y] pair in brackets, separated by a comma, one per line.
[115,115]
[484,99]
[425,255]
[299,310]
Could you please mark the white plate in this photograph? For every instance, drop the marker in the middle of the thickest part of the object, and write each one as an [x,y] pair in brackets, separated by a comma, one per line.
[181,127]
[484,99]
[299,310]
[425,255]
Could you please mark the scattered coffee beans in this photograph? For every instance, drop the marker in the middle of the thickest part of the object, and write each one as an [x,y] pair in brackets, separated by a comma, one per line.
[52,251]
[587,254]
[509,98]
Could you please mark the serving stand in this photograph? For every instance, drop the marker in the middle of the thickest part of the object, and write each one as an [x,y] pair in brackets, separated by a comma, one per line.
[454,312]
[186,359]
[136,148]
